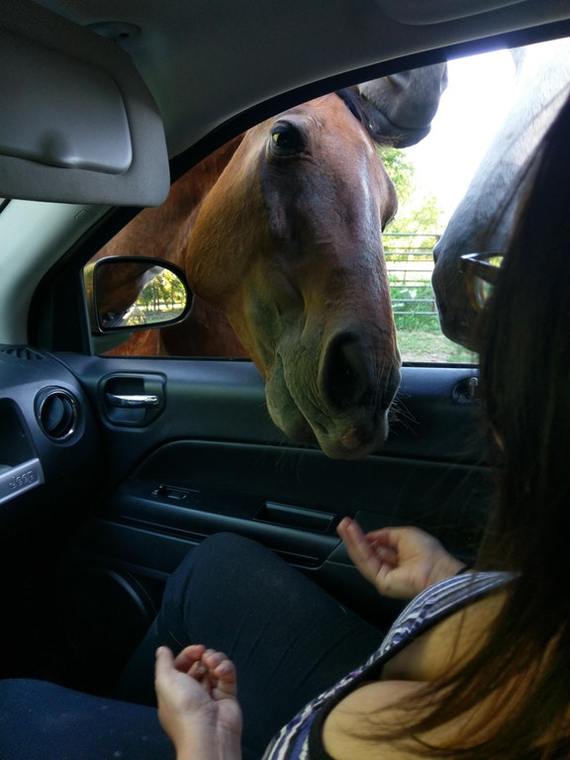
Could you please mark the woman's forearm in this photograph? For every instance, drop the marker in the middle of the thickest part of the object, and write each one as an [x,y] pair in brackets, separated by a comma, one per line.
[205,745]
[446,567]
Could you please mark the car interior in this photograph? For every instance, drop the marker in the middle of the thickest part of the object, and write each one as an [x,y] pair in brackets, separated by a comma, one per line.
[104,106]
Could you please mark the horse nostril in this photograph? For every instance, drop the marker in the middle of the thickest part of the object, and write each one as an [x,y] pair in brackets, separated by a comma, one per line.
[346,378]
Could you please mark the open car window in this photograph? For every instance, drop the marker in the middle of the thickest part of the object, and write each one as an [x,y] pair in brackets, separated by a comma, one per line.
[431,179]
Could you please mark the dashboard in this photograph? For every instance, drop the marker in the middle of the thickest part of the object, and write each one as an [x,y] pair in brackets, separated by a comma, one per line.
[49,442]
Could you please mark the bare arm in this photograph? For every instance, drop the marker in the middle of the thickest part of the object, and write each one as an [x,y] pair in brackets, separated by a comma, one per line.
[197,703]
[383,704]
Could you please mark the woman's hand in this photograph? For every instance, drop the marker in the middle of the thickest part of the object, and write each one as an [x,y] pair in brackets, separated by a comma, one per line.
[399,562]
[197,704]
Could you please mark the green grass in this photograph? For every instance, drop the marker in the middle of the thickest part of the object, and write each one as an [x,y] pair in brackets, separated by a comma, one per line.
[419,335]
[427,346]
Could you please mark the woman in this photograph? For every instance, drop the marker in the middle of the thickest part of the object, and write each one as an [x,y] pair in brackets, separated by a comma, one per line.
[484,674]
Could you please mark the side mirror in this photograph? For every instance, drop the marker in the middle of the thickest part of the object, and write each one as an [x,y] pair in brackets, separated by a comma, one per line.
[135,293]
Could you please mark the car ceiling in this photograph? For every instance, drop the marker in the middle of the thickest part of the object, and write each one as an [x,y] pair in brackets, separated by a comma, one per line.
[206,61]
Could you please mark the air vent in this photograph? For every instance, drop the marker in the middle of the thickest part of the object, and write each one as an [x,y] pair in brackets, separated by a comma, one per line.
[19,352]
[57,412]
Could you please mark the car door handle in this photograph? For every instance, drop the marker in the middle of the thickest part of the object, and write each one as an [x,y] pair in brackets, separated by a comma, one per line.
[132,401]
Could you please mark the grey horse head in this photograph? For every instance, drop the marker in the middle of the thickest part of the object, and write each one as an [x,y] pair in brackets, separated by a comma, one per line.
[402,106]
[484,219]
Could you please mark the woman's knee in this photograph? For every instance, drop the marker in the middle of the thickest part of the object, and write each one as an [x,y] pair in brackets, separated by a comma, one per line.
[227,544]
[217,561]
[219,552]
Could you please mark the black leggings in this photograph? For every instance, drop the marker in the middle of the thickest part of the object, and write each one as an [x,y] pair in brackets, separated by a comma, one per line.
[288,639]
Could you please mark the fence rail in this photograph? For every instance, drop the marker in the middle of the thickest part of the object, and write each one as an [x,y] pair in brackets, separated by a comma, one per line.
[409,261]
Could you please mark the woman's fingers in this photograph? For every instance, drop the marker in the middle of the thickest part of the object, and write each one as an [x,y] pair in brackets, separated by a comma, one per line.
[385,553]
[385,536]
[219,664]
[163,666]
[359,548]
[384,541]
[164,658]
[198,670]
[223,672]
[372,558]
[354,539]
[188,657]
[212,669]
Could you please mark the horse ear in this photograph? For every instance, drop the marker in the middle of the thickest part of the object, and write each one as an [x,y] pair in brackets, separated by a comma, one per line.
[400,107]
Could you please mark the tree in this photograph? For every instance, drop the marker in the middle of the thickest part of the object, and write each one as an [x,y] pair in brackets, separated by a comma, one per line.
[418,213]
[400,171]
[420,218]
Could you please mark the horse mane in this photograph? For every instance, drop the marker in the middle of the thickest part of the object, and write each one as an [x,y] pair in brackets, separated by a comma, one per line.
[365,113]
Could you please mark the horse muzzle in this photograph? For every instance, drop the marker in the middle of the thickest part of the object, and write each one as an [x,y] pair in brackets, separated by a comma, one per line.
[357,387]
[352,376]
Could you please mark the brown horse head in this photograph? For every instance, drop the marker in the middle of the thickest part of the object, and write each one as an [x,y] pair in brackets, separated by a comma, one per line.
[280,236]
[288,244]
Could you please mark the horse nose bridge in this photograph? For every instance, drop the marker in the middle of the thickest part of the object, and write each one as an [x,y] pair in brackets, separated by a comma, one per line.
[357,289]
[350,374]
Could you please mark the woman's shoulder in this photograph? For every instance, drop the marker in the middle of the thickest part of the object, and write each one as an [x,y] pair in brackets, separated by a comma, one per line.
[449,642]
[436,603]
[380,705]
[370,708]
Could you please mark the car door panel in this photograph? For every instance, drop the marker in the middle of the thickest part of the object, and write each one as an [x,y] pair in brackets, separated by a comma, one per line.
[213,461]
[224,400]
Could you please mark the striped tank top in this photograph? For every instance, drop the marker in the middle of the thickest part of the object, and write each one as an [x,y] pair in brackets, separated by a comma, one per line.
[301,739]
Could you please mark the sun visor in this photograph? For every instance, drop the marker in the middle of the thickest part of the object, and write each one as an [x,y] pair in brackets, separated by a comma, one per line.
[78,123]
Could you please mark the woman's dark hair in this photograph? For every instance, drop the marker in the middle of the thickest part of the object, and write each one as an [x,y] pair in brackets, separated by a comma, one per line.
[525,383]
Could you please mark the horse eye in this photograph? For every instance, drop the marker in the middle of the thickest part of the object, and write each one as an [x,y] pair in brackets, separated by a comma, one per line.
[286,140]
